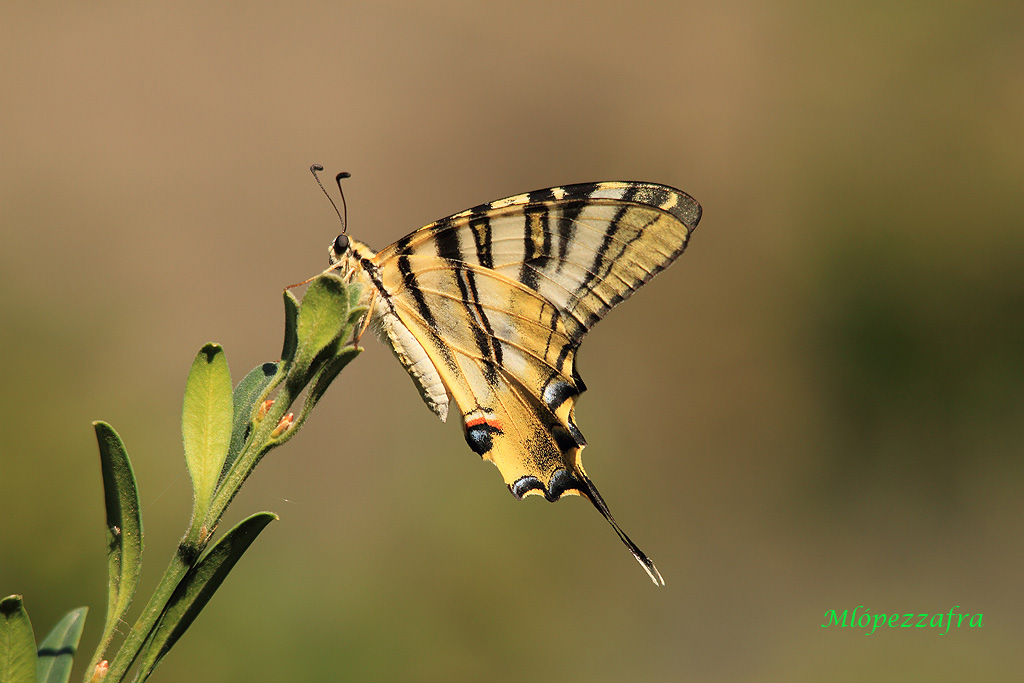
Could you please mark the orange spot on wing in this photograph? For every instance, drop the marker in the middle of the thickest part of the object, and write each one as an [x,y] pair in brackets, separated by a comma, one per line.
[483,421]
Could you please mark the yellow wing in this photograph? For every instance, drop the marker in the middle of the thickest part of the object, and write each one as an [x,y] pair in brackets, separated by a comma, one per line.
[584,248]
[517,404]
[499,298]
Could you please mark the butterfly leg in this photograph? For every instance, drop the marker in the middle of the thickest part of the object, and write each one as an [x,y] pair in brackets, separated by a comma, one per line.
[366,319]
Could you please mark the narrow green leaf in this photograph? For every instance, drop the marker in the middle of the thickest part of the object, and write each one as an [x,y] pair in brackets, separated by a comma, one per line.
[291,321]
[355,311]
[323,378]
[355,293]
[245,396]
[198,586]
[354,314]
[57,651]
[327,375]
[17,643]
[206,421]
[124,529]
[322,317]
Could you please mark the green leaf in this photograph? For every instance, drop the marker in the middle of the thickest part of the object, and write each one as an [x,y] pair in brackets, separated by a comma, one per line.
[327,375]
[17,643]
[58,648]
[322,317]
[245,396]
[291,321]
[355,311]
[206,421]
[323,378]
[124,529]
[198,586]
[355,293]
[354,314]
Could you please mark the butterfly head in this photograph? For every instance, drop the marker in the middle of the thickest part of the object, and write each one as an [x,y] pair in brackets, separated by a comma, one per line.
[339,254]
[348,256]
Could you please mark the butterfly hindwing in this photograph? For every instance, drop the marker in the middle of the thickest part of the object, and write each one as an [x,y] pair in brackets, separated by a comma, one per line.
[504,356]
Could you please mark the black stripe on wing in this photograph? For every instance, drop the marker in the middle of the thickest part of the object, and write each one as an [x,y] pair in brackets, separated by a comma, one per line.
[478,315]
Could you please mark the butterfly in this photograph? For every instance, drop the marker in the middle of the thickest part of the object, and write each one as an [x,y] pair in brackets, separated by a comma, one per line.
[488,307]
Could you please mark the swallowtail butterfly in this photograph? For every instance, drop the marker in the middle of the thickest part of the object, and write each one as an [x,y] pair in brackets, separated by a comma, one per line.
[488,307]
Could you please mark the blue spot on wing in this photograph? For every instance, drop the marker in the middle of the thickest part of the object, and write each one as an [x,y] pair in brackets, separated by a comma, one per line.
[479,437]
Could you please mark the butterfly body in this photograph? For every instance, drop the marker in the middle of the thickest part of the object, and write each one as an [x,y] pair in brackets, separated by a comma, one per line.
[487,307]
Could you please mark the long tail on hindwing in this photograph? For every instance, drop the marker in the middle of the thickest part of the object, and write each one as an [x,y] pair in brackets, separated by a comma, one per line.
[592,493]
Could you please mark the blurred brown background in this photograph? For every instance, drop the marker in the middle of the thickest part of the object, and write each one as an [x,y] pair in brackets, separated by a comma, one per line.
[820,406]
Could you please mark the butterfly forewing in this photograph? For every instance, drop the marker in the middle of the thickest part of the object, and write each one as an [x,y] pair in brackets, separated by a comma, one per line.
[583,247]
[492,303]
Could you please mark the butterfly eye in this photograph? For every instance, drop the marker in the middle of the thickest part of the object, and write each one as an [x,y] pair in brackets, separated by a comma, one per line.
[340,244]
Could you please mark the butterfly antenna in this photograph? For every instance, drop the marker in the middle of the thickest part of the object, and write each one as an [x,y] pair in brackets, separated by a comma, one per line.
[344,207]
[317,168]
[602,507]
